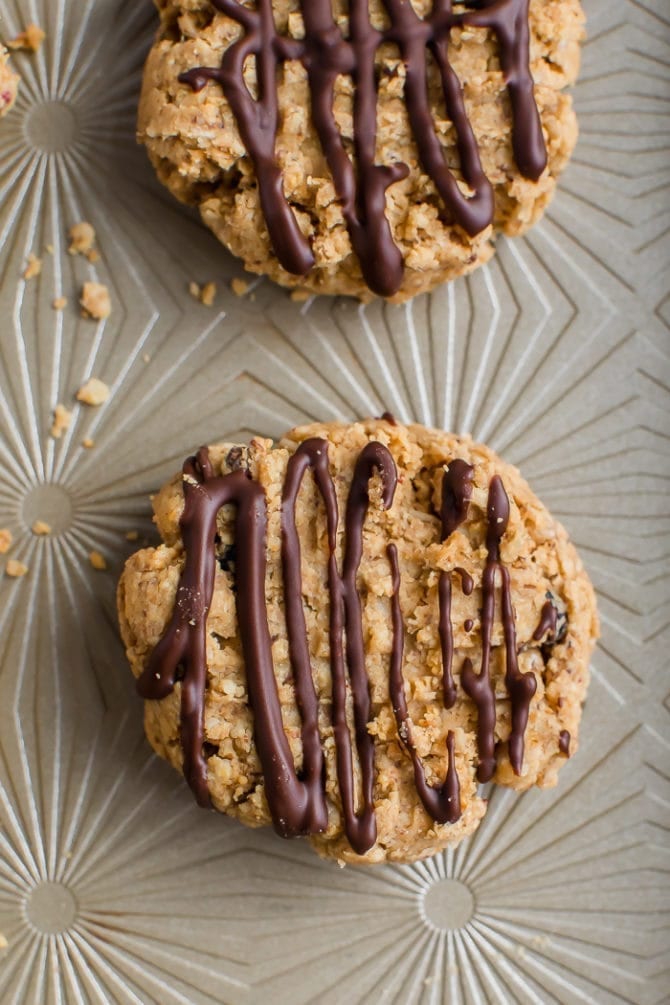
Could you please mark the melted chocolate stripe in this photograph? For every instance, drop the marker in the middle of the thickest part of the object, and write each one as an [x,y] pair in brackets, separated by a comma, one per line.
[509,20]
[326,54]
[413,36]
[479,685]
[548,621]
[363,196]
[521,687]
[443,803]
[185,640]
[310,454]
[184,644]
[362,828]
[257,122]
[456,495]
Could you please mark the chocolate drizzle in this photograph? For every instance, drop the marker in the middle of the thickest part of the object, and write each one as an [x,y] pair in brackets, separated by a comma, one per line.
[456,495]
[479,686]
[345,610]
[360,183]
[547,623]
[443,803]
[564,742]
[297,798]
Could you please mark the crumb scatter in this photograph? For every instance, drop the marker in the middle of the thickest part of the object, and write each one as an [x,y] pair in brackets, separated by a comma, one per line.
[94,392]
[33,267]
[95,301]
[62,417]
[16,569]
[28,40]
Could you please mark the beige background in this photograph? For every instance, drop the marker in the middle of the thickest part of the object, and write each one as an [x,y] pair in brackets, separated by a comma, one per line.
[114,887]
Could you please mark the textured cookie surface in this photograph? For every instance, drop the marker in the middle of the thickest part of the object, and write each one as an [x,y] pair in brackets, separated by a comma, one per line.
[195,144]
[9,83]
[551,613]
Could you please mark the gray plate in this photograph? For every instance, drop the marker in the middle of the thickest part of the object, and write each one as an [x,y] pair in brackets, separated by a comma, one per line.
[113,886]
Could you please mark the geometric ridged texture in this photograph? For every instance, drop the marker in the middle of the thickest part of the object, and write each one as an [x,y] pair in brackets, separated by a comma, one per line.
[113,886]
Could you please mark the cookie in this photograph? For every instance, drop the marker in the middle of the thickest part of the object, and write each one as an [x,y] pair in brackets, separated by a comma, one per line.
[372,152]
[9,83]
[345,633]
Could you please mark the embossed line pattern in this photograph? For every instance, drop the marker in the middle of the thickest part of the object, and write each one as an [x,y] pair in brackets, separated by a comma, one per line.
[113,887]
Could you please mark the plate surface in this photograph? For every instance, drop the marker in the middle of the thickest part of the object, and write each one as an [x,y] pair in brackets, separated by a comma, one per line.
[113,886]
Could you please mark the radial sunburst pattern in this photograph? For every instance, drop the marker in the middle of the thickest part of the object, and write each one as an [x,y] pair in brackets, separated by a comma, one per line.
[113,887]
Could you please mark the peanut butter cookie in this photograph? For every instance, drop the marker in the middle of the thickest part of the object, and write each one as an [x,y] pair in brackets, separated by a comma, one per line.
[347,632]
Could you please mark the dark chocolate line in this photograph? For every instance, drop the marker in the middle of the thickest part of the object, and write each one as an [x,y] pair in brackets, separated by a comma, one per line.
[362,192]
[548,621]
[413,37]
[312,454]
[509,20]
[257,121]
[456,495]
[467,582]
[362,827]
[479,686]
[521,687]
[183,647]
[184,642]
[442,803]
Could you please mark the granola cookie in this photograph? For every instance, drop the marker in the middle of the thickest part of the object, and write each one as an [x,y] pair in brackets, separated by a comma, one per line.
[9,83]
[373,153]
[346,632]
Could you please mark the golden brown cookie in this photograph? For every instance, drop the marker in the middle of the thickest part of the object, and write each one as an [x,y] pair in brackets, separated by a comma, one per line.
[345,633]
[373,151]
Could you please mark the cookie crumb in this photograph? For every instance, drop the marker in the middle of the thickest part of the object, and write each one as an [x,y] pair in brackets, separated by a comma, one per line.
[240,287]
[3,941]
[94,392]
[146,357]
[59,303]
[15,569]
[300,296]
[33,268]
[88,443]
[132,535]
[41,528]
[5,540]
[61,421]
[49,248]
[82,238]
[97,560]
[30,40]
[95,301]
[93,256]
[205,294]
